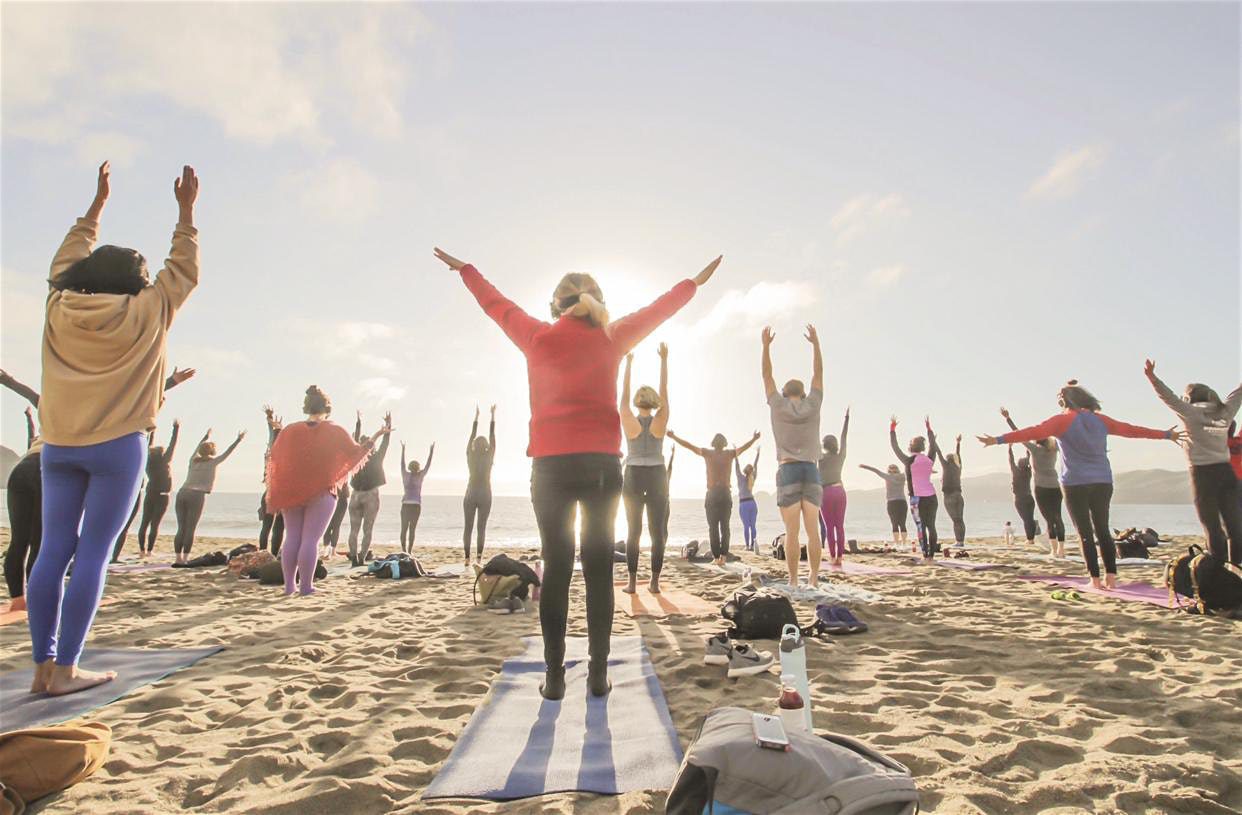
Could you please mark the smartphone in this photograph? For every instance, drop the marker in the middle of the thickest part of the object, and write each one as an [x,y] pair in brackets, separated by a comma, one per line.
[770,732]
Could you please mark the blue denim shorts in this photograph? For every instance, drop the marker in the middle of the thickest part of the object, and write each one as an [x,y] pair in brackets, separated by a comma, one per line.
[798,481]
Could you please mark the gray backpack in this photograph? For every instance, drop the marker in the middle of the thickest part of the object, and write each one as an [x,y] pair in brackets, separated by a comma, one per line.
[820,775]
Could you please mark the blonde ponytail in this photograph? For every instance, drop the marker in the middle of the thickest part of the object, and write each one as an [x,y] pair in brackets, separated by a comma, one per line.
[585,300]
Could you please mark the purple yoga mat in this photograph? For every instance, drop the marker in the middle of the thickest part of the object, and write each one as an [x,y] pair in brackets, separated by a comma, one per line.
[134,568]
[1136,592]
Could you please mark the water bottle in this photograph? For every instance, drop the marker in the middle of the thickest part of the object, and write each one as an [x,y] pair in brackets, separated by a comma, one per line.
[793,664]
[790,706]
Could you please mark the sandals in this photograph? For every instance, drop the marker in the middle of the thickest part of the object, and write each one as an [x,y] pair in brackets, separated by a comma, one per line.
[1066,594]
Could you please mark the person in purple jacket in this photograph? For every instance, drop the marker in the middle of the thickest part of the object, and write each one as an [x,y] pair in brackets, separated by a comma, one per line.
[1086,475]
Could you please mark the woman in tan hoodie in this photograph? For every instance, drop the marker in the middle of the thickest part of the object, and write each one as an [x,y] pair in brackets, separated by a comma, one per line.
[104,341]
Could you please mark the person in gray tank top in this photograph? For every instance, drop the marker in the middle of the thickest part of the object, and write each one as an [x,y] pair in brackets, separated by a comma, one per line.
[795,424]
[894,499]
[645,486]
[199,481]
[1044,455]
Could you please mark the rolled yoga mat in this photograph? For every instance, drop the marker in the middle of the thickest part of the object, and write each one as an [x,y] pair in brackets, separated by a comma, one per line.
[518,745]
[135,667]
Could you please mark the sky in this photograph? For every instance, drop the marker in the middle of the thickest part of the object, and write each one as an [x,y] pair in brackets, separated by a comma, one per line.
[972,202]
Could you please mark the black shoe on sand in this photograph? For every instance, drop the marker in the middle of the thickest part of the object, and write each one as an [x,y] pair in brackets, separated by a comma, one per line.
[553,687]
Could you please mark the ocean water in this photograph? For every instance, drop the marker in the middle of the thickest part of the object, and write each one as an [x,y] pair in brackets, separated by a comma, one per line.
[512,521]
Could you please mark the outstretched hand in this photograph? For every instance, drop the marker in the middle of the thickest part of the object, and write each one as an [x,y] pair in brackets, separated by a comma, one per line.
[493,411]
[1005,412]
[987,441]
[662,350]
[768,336]
[1178,437]
[185,189]
[180,375]
[103,188]
[452,262]
[1149,368]
[710,269]
[812,336]
[756,436]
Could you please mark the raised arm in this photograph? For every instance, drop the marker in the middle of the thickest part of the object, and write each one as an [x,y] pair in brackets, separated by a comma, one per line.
[878,472]
[738,451]
[30,427]
[1013,465]
[431,453]
[180,273]
[769,384]
[403,459]
[698,451]
[518,326]
[817,359]
[892,440]
[632,329]
[629,422]
[81,238]
[1053,426]
[172,441]
[1030,446]
[1134,431]
[25,391]
[659,424]
[178,376]
[358,428]
[957,449]
[845,432]
[1178,405]
[474,431]
[491,433]
[933,446]
[229,450]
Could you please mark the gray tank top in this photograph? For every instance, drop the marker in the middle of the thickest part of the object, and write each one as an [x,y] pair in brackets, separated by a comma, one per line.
[645,450]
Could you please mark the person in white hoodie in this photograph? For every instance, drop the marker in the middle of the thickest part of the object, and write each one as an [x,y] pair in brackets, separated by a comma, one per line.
[1206,419]
[104,342]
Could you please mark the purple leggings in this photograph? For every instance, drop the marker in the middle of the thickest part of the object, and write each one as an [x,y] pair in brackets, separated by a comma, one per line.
[304,526]
[832,519]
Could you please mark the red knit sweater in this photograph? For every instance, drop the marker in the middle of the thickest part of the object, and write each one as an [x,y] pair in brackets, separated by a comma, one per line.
[572,367]
[308,460]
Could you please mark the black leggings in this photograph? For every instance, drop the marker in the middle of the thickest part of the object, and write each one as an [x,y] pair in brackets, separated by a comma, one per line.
[897,509]
[1048,499]
[333,533]
[719,507]
[1088,509]
[1025,504]
[153,508]
[410,514]
[274,528]
[955,505]
[645,487]
[558,484]
[927,525]
[189,508]
[25,500]
[1216,502]
[478,501]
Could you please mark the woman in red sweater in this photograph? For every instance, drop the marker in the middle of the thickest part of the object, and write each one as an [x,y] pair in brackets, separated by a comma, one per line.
[575,441]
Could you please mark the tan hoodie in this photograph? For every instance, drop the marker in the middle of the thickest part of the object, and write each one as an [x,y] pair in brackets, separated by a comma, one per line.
[103,354]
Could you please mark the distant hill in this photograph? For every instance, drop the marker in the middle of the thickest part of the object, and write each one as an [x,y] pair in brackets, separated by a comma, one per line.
[8,460]
[1135,487]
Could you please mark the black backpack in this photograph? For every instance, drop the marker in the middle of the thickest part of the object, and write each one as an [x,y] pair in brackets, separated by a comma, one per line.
[1133,545]
[1203,579]
[243,549]
[758,614]
[778,548]
[505,565]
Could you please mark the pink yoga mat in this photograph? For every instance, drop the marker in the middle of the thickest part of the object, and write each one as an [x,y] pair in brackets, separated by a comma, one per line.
[133,568]
[850,567]
[670,601]
[1136,592]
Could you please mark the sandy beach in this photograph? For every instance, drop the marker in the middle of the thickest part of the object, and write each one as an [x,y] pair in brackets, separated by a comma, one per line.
[998,698]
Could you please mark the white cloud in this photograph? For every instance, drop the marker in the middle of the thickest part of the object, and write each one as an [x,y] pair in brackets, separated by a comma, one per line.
[1065,176]
[751,309]
[380,391]
[885,277]
[350,334]
[339,189]
[865,212]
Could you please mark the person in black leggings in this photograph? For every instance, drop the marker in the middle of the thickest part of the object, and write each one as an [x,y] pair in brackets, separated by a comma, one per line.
[271,524]
[1023,501]
[25,496]
[1044,454]
[951,488]
[333,533]
[159,485]
[480,455]
[645,485]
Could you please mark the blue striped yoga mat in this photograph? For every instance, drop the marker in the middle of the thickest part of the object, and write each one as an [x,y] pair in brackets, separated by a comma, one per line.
[518,745]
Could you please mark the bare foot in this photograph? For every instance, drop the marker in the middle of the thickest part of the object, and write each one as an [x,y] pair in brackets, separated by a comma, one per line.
[42,673]
[1095,583]
[632,586]
[17,604]
[72,679]
[307,593]
[654,585]
[1110,581]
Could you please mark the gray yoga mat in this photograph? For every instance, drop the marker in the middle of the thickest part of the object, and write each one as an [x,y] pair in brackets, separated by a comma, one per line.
[20,709]
[518,745]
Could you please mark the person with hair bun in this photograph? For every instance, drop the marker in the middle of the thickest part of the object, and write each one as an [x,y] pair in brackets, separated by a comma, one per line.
[105,338]
[1086,475]
[645,482]
[575,441]
[308,462]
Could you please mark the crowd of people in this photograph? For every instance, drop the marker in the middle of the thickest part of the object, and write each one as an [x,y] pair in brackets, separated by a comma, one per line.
[75,492]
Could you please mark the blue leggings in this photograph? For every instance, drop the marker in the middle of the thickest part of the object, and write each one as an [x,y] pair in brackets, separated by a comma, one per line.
[87,495]
[749,512]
